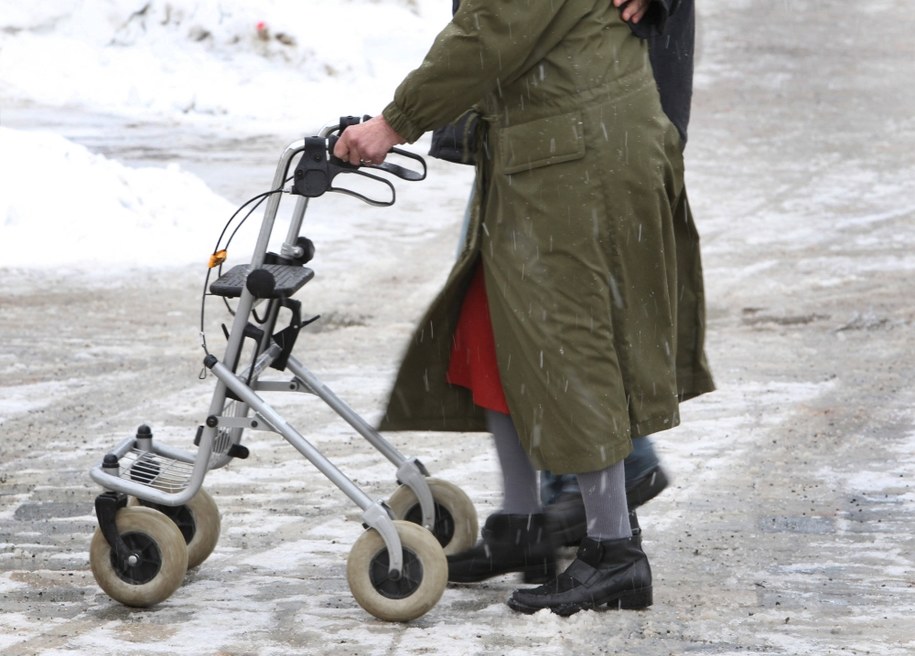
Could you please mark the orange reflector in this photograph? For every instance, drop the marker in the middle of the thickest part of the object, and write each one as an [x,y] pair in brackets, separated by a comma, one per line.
[218,258]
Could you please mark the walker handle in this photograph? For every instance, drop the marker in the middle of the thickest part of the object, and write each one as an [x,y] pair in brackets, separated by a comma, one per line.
[318,167]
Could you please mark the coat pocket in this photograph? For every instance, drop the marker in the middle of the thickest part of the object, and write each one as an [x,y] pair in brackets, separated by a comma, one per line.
[542,142]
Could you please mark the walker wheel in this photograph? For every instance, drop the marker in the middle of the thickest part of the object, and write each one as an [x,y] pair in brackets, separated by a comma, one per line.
[455,525]
[199,523]
[420,586]
[157,563]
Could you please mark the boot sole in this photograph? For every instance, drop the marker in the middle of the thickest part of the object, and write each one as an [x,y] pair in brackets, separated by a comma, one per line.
[630,600]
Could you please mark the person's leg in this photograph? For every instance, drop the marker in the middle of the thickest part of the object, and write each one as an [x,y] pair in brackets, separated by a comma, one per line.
[564,509]
[550,486]
[645,479]
[553,486]
[640,464]
[563,503]
[610,568]
[604,495]
[515,539]
[520,494]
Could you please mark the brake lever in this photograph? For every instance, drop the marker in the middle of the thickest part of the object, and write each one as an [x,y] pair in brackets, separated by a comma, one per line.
[402,172]
[363,197]
[411,175]
[318,166]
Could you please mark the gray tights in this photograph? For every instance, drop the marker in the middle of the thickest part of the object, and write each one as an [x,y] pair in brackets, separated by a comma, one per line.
[603,492]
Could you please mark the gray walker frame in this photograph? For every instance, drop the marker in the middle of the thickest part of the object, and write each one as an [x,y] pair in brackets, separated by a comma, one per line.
[159,474]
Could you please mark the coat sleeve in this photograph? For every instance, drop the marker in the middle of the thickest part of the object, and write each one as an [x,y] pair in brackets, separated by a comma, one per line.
[488,43]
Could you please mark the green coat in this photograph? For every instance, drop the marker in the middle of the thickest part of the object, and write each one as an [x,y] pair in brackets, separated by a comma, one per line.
[578,175]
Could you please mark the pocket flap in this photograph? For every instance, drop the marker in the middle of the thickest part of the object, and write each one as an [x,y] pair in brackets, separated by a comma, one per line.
[543,142]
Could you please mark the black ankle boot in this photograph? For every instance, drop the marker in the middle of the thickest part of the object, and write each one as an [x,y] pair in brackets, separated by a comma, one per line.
[511,543]
[566,519]
[609,573]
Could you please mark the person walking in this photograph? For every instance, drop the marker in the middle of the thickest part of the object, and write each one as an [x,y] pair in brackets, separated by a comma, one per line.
[556,328]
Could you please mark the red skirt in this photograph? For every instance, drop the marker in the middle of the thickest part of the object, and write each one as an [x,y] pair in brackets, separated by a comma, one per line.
[473,353]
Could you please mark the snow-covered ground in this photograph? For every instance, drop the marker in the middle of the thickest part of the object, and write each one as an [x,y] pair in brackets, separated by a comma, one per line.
[270,61]
[788,527]
[237,65]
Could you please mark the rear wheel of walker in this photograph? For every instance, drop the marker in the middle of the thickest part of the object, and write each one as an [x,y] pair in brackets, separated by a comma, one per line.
[455,525]
[156,565]
[420,586]
[199,523]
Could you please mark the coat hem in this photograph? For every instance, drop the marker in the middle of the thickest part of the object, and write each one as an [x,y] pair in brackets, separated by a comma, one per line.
[655,425]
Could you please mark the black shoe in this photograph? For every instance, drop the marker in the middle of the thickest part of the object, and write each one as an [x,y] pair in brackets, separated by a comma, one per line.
[565,519]
[605,574]
[511,543]
[646,488]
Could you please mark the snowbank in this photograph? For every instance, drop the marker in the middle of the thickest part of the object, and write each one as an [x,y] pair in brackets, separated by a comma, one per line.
[240,59]
[62,205]
[241,63]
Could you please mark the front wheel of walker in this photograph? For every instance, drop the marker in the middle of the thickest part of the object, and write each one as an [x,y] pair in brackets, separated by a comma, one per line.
[456,524]
[422,581]
[156,562]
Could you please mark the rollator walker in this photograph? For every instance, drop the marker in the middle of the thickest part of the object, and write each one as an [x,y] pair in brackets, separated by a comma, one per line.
[155,520]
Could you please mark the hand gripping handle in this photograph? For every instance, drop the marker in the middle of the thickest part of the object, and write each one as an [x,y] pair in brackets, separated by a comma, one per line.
[317,168]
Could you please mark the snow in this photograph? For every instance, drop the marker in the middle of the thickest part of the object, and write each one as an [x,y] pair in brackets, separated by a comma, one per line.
[63,205]
[235,63]
[239,59]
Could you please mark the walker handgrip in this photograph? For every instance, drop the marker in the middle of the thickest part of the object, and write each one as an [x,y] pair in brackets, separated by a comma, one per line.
[388,167]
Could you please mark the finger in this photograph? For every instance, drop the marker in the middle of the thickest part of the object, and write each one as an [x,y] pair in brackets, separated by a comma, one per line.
[341,149]
[374,157]
[634,10]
